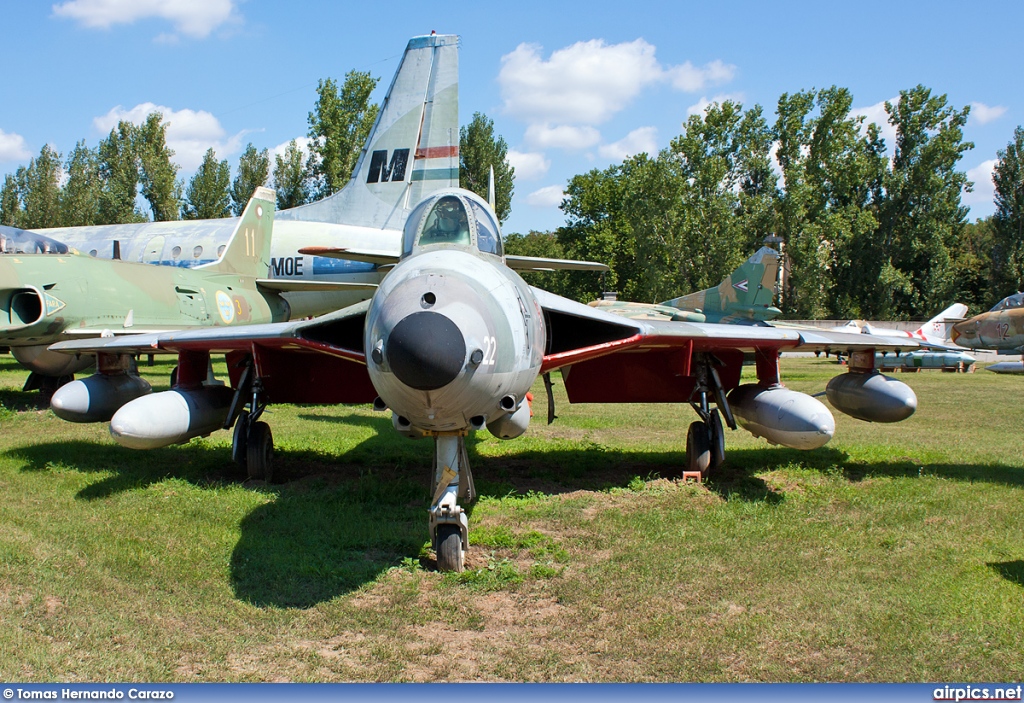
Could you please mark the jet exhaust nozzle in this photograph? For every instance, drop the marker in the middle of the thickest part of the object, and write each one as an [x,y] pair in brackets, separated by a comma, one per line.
[782,416]
[872,397]
[98,397]
[170,417]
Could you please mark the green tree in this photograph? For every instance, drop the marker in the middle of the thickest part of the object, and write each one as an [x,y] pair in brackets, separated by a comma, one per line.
[10,202]
[40,190]
[921,217]
[290,179]
[158,175]
[119,173]
[832,167]
[338,126]
[80,197]
[208,195]
[972,266]
[253,171]
[1008,220]
[542,244]
[479,150]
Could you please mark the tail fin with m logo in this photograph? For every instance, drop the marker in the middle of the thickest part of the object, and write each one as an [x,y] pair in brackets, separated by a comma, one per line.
[412,149]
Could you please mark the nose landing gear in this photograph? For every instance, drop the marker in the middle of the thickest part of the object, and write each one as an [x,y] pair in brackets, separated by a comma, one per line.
[449,526]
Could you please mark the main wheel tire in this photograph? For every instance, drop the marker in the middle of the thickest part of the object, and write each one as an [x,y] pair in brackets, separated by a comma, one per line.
[698,449]
[717,440]
[450,556]
[259,454]
[240,440]
[174,377]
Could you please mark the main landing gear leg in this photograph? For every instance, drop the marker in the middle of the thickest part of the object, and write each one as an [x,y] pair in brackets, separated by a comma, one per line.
[449,526]
[705,438]
[252,443]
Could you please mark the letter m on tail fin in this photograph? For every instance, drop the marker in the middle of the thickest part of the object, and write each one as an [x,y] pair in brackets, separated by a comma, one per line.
[382,172]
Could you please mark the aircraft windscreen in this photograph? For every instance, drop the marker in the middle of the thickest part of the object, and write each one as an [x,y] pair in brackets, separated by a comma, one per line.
[487,239]
[1010,302]
[21,241]
[447,223]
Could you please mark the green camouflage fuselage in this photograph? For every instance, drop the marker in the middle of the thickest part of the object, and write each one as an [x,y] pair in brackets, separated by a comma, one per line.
[46,298]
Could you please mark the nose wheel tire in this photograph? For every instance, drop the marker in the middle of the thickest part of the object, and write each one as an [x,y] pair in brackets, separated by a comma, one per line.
[450,556]
[259,453]
[698,448]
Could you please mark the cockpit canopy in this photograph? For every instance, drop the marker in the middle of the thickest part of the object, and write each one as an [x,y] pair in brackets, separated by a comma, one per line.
[1014,301]
[453,218]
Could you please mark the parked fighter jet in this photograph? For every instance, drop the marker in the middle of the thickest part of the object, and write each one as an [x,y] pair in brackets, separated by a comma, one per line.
[743,297]
[411,151]
[1000,329]
[451,342]
[933,334]
[46,298]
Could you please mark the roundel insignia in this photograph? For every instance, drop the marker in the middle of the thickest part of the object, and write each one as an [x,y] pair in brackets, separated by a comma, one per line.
[225,307]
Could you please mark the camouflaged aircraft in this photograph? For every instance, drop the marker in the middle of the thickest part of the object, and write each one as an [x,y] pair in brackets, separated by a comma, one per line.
[47,298]
[743,297]
[1001,329]
[452,341]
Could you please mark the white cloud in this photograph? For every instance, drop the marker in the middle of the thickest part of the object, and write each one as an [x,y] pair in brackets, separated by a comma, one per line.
[876,114]
[642,139]
[588,82]
[699,107]
[549,196]
[193,18]
[529,166]
[984,114]
[984,189]
[691,79]
[585,83]
[13,147]
[189,132]
[544,136]
[301,142]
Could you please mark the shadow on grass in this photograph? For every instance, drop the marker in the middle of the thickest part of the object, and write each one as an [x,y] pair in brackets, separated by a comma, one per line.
[1012,571]
[339,521]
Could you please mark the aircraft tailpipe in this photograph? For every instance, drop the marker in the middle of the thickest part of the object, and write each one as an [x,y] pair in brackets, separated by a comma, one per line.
[170,417]
[872,397]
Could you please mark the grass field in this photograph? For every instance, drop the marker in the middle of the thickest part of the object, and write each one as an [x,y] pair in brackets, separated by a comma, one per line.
[895,553]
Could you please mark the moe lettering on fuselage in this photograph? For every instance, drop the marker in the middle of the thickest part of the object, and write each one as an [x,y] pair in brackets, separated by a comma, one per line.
[286,266]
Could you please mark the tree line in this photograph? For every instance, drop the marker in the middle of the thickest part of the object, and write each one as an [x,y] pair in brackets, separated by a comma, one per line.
[132,165]
[865,235]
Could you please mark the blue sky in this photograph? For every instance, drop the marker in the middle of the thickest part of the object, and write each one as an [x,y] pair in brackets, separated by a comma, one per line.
[570,85]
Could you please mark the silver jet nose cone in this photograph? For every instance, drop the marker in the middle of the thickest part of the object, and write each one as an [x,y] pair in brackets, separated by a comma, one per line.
[426,351]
